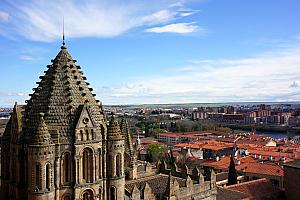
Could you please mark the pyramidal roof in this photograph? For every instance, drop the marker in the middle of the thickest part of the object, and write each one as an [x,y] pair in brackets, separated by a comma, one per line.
[113,129]
[60,93]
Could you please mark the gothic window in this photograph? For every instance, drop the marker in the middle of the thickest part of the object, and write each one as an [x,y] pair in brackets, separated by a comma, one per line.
[48,176]
[87,165]
[88,195]
[87,135]
[81,135]
[66,197]
[67,168]
[118,165]
[92,135]
[37,177]
[110,170]
[113,193]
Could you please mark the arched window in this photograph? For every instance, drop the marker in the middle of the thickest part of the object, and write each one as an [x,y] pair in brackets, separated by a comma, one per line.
[81,135]
[37,177]
[87,135]
[113,193]
[118,165]
[110,169]
[66,197]
[48,176]
[88,195]
[67,168]
[87,165]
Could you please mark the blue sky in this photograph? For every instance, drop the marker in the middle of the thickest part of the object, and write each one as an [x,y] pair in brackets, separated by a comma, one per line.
[157,51]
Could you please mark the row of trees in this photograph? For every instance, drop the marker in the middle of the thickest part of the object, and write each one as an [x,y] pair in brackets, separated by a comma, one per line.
[153,128]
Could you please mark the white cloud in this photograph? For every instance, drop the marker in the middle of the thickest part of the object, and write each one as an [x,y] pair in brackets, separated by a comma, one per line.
[263,78]
[26,57]
[4,16]
[181,28]
[42,20]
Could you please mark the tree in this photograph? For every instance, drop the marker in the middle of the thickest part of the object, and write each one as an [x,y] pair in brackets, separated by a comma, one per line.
[232,174]
[156,152]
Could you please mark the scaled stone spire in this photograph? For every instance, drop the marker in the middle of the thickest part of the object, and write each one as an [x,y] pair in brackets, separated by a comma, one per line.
[42,135]
[128,139]
[58,95]
[113,129]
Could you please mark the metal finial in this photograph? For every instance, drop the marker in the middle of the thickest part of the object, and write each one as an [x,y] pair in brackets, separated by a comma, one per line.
[63,32]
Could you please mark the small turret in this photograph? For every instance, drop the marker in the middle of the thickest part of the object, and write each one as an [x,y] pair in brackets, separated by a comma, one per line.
[41,135]
[113,130]
[41,161]
[115,161]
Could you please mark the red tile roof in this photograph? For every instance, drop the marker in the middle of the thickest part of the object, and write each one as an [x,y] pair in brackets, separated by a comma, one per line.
[263,168]
[207,144]
[224,162]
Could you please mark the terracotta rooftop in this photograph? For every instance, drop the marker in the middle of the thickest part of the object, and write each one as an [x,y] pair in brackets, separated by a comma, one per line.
[264,168]
[224,162]
[207,144]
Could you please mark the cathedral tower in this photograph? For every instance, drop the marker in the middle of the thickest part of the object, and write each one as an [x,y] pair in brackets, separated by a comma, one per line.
[54,147]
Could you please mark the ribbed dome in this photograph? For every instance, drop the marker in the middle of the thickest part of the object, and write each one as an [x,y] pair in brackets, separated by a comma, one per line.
[61,91]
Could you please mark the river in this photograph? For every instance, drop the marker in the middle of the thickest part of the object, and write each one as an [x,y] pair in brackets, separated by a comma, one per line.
[275,135]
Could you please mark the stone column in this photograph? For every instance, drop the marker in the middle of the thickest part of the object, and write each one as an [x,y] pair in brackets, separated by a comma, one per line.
[95,172]
[80,169]
[77,169]
[57,177]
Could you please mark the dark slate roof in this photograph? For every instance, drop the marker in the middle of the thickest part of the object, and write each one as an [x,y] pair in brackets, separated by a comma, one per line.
[59,94]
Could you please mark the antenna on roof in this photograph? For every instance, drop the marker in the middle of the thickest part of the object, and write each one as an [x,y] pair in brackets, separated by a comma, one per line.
[63,37]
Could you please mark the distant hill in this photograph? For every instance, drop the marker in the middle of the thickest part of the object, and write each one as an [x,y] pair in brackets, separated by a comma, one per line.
[189,105]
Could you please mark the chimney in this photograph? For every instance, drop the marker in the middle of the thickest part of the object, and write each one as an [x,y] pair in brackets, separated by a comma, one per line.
[217,158]
[238,162]
[270,158]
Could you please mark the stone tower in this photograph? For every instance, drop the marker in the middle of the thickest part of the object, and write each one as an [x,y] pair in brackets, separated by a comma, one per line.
[115,164]
[56,146]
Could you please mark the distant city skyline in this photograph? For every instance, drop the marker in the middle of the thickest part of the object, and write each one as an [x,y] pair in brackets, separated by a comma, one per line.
[152,52]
